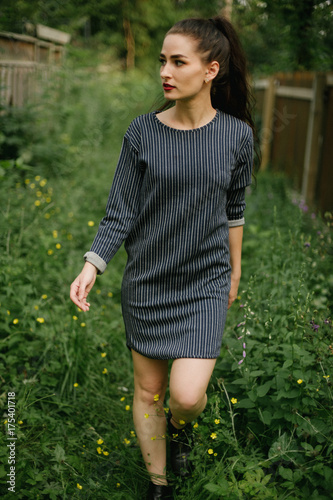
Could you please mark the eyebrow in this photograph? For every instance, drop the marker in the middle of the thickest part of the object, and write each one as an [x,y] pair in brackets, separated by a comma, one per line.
[176,56]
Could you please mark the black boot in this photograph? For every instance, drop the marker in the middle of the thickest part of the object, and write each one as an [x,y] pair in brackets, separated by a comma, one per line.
[180,448]
[159,492]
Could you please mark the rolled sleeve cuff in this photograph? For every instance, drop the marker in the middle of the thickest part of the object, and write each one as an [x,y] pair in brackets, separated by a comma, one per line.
[96,261]
[237,222]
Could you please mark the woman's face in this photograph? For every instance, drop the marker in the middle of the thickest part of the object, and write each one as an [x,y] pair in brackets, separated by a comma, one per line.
[182,70]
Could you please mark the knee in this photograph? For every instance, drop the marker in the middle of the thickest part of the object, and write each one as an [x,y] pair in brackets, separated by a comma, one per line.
[187,403]
[150,392]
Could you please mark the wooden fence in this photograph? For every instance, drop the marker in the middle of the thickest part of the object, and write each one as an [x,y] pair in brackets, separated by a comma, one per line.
[26,63]
[296,112]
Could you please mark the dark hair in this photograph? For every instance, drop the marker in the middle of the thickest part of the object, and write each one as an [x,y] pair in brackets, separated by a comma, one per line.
[218,41]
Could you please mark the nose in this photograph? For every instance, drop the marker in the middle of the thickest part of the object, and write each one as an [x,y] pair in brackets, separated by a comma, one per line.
[164,71]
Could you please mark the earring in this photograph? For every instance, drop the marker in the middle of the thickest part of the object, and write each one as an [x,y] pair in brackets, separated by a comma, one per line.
[206,80]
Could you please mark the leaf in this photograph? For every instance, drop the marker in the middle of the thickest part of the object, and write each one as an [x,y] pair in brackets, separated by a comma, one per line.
[257,373]
[287,363]
[286,473]
[307,446]
[222,488]
[262,390]
[279,447]
[266,417]
[59,453]
[246,403]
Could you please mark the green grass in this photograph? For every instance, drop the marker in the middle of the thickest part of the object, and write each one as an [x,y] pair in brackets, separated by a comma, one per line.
[275,442]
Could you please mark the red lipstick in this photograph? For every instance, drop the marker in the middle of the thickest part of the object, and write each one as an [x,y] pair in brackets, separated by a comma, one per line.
[167,86]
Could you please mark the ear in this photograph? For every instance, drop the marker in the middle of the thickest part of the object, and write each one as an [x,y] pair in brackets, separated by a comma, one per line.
[212,70]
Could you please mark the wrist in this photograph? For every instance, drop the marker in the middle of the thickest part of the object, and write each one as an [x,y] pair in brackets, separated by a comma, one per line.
[90,266]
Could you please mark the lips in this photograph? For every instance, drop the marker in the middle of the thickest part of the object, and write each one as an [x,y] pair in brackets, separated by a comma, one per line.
[166,86]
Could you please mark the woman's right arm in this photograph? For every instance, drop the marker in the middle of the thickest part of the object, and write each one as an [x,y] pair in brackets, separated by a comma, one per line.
[82,285]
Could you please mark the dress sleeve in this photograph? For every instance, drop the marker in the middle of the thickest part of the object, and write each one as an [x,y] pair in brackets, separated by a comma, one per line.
[241,177]
[121,209]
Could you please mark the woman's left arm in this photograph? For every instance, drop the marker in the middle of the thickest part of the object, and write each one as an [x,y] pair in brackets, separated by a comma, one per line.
[235,248]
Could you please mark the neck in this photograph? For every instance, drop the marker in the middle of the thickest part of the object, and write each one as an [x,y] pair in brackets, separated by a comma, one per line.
[189,114]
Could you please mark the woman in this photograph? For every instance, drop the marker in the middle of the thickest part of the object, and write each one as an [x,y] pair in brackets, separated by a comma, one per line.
[177,200]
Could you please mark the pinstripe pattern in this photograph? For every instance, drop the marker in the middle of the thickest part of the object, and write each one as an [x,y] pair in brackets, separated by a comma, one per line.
[174,194]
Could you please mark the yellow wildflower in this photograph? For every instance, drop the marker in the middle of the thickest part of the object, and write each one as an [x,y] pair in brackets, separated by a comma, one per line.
[27,181]
[40,320]
[20,422]
[44,296]
[210,451]
[91,223]
[83,325]
[196,425]
[5,422]
[75,318]
[122,399]
[153,438]
[76,384]
[50,252]
[181,422]
[126,441]
[127,407]
[233,400]
[105,371]
[43,182]
[8,312]
[300,381]
[37,178]
[118,485]
[106,453]
[133,434]
[217,421]
[15,321]
[100,441]
[146,415]
[37,203]
[156,397]
[110,294]
[58,246]
[103,354]
[213,435]
[99,450]
[36,308]
[326,376]
[79,486]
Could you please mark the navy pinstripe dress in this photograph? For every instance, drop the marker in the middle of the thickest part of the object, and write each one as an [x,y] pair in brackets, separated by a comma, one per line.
[174,195]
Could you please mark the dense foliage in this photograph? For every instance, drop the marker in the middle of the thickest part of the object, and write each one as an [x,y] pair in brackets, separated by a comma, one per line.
[277,35]
[267,432]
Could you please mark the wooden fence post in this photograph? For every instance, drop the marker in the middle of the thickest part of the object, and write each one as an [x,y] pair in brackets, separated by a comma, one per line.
[267,123]
[313,139]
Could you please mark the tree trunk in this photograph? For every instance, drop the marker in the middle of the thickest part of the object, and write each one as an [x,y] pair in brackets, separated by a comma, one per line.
[130,44]
[227,10]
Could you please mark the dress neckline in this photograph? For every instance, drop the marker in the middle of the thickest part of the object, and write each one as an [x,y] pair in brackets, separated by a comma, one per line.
[155,113]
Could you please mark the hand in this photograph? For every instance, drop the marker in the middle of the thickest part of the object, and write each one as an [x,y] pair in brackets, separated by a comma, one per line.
[233,290]
[82,285]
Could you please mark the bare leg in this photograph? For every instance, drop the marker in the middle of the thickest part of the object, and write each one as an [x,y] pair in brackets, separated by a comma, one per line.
[150,380]
[189,379]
